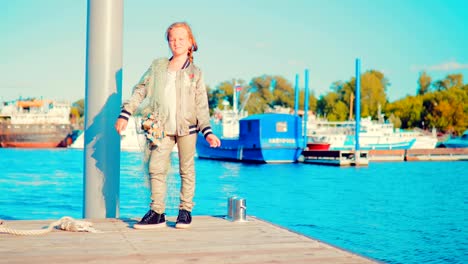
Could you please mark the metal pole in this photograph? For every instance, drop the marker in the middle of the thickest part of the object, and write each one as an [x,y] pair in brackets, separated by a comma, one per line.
[103,99]
[296,95]
[306,104]
[298,121]
[234,96]
[358,103]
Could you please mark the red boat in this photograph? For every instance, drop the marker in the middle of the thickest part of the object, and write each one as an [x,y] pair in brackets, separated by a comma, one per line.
[318,146]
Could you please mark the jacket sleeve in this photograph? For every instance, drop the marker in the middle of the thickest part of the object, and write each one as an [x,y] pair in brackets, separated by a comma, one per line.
[203,112]
[140,90]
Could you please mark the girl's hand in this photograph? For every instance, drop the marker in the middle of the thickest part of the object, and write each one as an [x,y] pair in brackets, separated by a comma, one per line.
[213,140]
[120,125]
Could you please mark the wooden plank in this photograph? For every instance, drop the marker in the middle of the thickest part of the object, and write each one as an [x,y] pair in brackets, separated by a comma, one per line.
[336,157]
[387,155]
[438,154]
[438,151]
[209,240]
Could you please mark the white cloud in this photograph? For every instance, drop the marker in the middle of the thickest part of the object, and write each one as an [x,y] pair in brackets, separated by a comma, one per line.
[445,66]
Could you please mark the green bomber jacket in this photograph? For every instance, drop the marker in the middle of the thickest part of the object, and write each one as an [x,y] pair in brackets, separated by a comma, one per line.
[192,112]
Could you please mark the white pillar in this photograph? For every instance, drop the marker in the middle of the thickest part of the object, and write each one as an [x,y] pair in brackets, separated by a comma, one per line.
[103,99]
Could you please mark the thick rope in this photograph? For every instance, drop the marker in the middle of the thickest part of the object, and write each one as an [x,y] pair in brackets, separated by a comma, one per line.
[65,223]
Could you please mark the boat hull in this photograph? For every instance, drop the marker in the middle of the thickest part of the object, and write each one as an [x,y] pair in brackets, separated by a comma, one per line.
[229,149]
[456,144]
[347,142]
[350,145]
[459,142]
[318,146]
[34,135]
[233,150]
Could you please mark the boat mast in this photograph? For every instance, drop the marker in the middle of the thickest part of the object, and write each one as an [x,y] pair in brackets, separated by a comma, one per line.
[358,103]
[296,111]
[234,96]
[306,105]
[296,95]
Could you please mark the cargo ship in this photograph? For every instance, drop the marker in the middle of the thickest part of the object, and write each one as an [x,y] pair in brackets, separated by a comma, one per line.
[35,124]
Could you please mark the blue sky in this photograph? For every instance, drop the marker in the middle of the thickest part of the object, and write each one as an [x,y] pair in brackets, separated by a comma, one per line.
[42,49]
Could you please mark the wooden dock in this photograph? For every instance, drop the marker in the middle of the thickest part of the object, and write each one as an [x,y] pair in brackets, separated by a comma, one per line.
[387,155]
[209,240]
[349,158]
[336,157]
[438,154]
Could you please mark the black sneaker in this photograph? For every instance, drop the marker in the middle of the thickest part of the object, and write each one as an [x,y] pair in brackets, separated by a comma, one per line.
[184,219]
[151,220]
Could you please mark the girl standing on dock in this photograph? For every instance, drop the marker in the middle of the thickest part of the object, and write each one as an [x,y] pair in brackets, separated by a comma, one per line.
[177,109]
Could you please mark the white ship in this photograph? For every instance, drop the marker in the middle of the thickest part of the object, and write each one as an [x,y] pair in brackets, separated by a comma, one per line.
[131,139]
[372,135]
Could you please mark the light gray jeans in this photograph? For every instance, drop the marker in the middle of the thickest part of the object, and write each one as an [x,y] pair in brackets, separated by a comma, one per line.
[159,163]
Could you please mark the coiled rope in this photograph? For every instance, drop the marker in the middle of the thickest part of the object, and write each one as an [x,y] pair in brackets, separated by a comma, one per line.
[65,223]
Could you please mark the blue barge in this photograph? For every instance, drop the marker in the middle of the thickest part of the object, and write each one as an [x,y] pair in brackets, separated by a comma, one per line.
[262,138]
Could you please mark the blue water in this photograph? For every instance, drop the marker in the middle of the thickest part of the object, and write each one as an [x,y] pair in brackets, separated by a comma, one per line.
[402,212]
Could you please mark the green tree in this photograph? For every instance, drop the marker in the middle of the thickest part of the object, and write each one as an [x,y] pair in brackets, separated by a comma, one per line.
[447,110]
[424,83]
[452,80]
[312,101]
[395,120]
[373,96]
[408,110]
[283,92]
[455,80]
[262,94]
[77,112]
[222,96]
[268,92]
[373,93]
[79,105]
[331,107]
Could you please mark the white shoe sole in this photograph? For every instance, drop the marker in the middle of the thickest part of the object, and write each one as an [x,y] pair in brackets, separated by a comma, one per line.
[182,226]
[154,226]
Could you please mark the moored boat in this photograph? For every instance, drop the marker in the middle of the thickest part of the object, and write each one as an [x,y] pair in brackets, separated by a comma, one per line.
[372,135]
[318,146]
[262,138]
[457,142]
[34,124]
[131,139]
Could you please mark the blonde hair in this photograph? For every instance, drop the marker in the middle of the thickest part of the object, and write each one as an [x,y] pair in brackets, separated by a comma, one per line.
[185,25]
